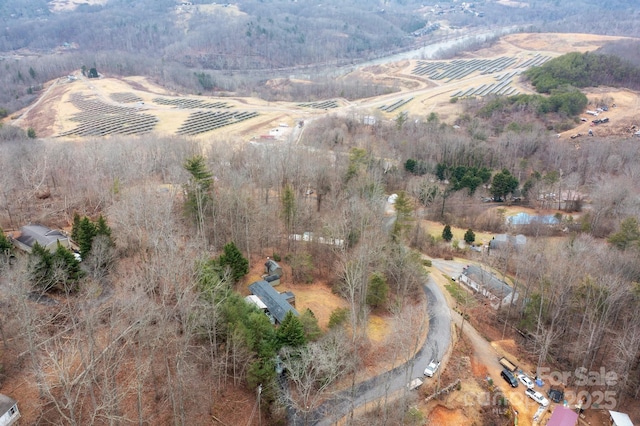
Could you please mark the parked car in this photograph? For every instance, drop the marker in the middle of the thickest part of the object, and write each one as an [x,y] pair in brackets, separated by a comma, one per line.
[537,397]
[509,378]
[525,380]
[432,368]
[556,394]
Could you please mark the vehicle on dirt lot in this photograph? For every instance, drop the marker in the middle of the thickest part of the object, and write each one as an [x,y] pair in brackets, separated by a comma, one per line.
[537,397]
[525,380]
[556,394]
[432,368]
[509,378]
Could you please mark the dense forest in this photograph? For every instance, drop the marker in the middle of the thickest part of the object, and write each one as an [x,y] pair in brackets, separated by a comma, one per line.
[584,70]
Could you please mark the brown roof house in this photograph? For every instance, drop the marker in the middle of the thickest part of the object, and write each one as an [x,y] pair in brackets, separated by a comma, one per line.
[47,238]
[9,413]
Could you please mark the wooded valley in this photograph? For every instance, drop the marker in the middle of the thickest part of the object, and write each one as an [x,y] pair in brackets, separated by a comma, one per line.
[147,323]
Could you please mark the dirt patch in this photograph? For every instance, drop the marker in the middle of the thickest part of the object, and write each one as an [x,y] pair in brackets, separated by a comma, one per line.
[478,369]
[622,118]
[441,415]
[558,43]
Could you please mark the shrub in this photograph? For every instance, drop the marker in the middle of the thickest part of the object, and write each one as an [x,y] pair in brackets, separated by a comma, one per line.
[338,317]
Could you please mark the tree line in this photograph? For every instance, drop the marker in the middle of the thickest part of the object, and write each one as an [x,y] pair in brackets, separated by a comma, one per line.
[584,70]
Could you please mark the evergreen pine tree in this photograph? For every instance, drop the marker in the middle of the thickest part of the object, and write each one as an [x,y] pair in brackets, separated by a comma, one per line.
[75,228]
[66,268]
[289,208]
[40,267]
[469,236]
[5,243]
[310,324]
[198,189]
[233,258]
[86,233]
[102,228]
[447,235]
[291,332]
[378,290]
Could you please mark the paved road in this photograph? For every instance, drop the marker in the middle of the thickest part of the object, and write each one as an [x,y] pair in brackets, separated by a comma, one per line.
[435,346]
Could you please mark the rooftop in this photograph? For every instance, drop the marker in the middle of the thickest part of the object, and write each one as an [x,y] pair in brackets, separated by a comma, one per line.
[496,286]
[275,302]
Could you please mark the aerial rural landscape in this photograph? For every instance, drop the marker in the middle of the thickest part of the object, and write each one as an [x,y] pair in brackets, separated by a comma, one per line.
[319,213]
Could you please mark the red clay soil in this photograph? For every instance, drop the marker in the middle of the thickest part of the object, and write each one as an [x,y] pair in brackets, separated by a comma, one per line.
[441,415]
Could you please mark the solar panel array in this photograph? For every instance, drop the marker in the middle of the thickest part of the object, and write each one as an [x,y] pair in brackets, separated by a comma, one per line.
[206,121]
[501,87]
[97,118]
[190,103]
[125,97]
[320,105]
[394,106]
[536,61]
[460,68]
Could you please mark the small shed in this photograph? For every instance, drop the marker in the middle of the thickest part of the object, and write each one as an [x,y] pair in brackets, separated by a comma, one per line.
[272,268]
[619,419]
[563,416]
[9,413]
[46,237]
[275,303]
[274,279]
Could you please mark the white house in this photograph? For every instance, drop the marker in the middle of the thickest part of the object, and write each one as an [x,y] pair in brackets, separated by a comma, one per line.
[9,413]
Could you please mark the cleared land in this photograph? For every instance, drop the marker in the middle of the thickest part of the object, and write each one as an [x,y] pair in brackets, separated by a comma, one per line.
[134,105]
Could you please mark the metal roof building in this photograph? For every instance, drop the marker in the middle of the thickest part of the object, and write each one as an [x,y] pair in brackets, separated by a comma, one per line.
[563,416]
[47,238]
[275,302]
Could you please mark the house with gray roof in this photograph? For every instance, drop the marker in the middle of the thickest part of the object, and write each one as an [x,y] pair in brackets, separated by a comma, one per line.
[9,413]
[484,282]
[276,303]
[46,237]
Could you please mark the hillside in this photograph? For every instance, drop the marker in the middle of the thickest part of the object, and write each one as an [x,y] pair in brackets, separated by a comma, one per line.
[135,105]
[177,202]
